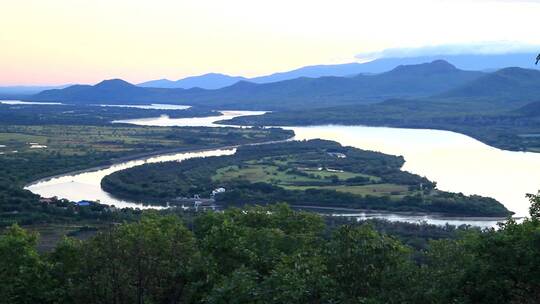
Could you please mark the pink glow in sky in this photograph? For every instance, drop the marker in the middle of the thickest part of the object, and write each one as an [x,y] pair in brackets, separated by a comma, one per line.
[82,41]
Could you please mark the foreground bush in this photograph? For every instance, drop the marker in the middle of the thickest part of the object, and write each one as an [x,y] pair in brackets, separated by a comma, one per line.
[272,255]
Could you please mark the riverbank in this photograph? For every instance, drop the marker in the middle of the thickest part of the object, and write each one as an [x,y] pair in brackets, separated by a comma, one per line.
[74,149]
[507,126]
[288,172]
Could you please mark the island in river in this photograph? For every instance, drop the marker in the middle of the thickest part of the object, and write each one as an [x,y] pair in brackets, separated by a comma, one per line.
[315,172]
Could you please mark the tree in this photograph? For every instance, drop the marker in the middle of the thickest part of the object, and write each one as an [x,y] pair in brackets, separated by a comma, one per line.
[534,209]
[301,278]
[23,274]
[146,262]
[366,265]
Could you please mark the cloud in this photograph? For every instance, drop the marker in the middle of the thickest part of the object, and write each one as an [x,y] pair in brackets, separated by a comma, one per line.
[480,48]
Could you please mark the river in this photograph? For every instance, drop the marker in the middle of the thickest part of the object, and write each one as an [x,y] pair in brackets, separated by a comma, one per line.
[86,185]
[457,163]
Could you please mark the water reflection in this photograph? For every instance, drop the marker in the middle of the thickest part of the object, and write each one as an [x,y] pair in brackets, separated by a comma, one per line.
[153,106]
[457,163]
[18,102]
[87,185]
[209,121]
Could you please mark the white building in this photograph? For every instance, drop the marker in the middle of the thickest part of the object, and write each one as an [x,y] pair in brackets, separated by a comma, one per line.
[218,190]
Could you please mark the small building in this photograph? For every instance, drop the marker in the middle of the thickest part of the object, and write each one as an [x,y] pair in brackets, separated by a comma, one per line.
[337,154]
[204,205]
[83,203]
[218,191]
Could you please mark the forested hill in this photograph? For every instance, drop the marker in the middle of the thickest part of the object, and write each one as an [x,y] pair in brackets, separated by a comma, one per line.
[111,91]
[510,84]
[404,81]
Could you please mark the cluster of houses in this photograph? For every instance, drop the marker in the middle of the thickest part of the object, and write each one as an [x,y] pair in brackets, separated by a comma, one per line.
[66,204]
[197,203]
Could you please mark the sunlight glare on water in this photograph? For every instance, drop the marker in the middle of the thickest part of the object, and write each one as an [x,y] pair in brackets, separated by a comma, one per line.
[457,163]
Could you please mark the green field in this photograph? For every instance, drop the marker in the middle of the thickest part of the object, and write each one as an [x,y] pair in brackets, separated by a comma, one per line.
[393,190]
[76,139]
[286,172]
[320,178]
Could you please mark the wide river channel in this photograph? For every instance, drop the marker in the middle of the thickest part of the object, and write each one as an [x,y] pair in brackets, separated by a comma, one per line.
[457,163]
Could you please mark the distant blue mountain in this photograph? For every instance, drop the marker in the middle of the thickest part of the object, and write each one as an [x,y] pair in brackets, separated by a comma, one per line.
[419,80]
[474,62]
[15,91]
[403,81]
[316,71]
[463,62]
[108,91]
[207,81]
[509,84]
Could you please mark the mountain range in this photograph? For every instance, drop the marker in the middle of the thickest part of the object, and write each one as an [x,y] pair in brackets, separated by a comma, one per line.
[475,62]
[207,81]
[405,81]
[510,84]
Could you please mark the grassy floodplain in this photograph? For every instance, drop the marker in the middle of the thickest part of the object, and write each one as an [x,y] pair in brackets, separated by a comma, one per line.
[30,152]
[315,172]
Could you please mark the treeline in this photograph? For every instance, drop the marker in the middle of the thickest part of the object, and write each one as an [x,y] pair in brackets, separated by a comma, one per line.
[272,255]
[28,114]
[242,193]
[162,182]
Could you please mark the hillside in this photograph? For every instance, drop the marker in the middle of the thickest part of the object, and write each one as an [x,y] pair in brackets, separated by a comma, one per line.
[404,81]
[107,91]
[471,62]
[509,84]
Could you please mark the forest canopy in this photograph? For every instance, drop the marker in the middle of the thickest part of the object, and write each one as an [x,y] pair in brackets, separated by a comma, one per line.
[272,255]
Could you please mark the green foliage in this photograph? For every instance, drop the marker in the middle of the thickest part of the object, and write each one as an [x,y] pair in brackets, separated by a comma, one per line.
[23,273]
[147,262]
[364,264]
[534,209]
[271,255]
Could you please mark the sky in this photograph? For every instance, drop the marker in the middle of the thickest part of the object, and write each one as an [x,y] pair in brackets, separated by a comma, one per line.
[85,41]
